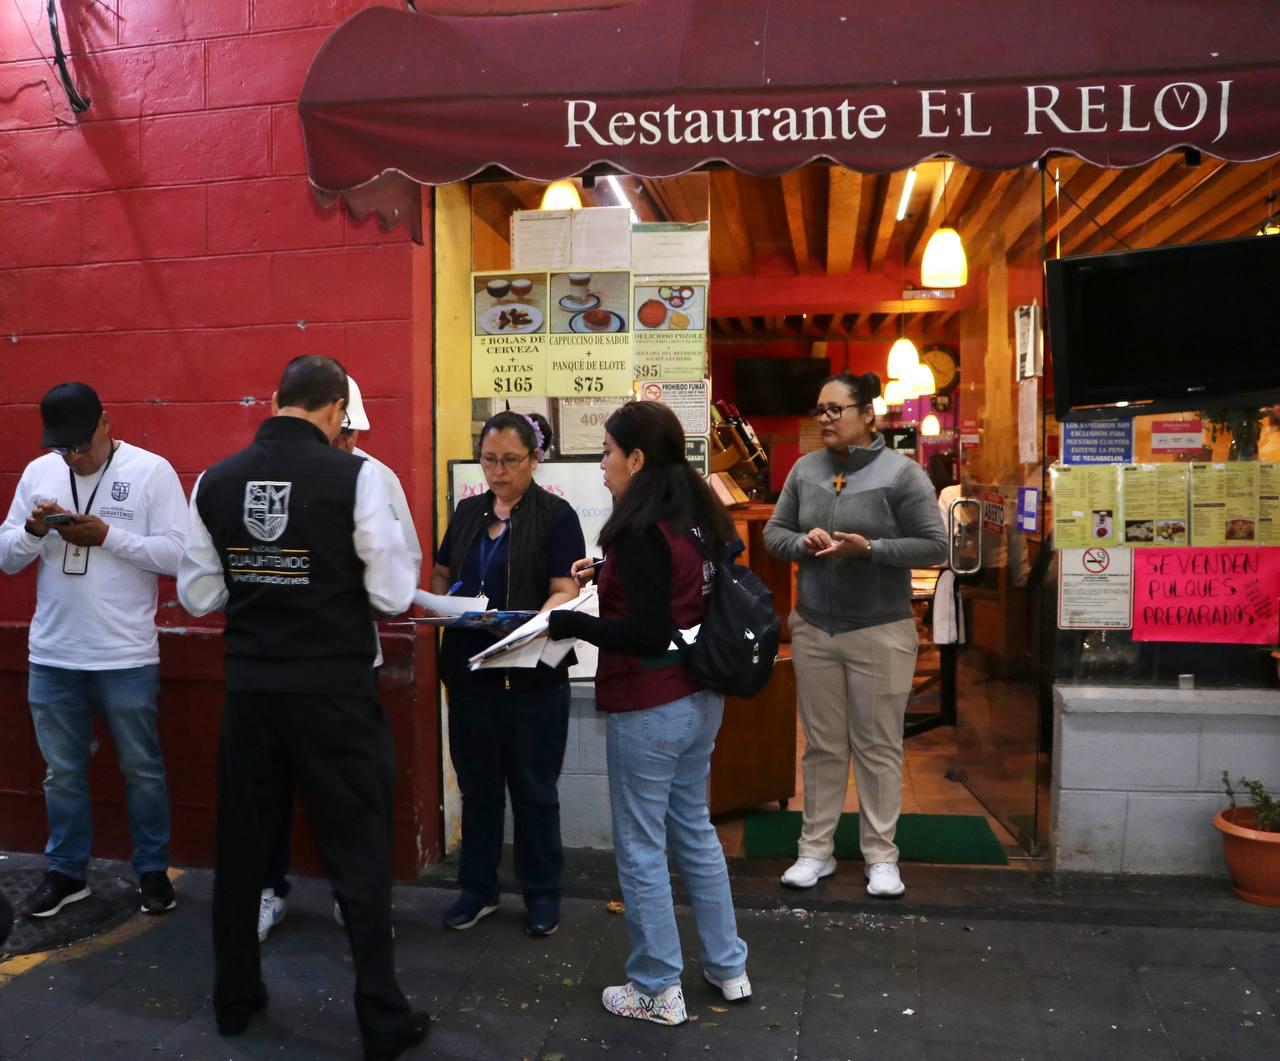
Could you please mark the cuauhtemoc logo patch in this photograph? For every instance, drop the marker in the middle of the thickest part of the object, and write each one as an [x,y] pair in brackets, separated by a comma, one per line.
[119,491]
[266,509]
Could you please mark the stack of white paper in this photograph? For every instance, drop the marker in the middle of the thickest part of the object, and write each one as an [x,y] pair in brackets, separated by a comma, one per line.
[528,645]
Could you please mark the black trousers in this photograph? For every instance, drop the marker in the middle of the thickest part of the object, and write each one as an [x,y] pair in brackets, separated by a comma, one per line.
[338,750]
[515,741]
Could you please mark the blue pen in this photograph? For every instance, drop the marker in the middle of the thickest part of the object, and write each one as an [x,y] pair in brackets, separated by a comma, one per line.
[454,589]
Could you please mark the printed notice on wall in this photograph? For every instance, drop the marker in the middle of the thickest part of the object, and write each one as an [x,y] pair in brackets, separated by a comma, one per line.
[1177,436]
[590,341]
[1097,441]
[690,401]
[1095,589]
[509,335]
[667,248]
[1153,500]
[582,424]
[1269,503]
[1085,503]
[1224,503]
[670,336]
[1224,595]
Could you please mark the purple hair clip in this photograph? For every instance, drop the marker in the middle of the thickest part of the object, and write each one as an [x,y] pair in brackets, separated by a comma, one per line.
[537,434]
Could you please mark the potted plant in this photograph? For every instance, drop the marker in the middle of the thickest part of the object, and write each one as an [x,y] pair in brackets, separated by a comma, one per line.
[1244,426]
[1251,842]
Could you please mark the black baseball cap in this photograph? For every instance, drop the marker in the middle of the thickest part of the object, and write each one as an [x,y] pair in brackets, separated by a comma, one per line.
[70,412]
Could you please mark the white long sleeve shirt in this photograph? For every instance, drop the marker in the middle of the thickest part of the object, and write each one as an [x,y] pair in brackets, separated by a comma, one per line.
[104,619]
[399,509]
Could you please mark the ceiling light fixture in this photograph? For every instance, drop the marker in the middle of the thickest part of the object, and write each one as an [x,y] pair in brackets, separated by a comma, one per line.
[879,406]
[930,427]
[561,195]
[895,392]
[921,382]
[620,195]
[905,198]
[944,263]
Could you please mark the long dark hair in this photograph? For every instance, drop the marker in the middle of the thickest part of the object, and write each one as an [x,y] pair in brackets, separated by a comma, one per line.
[666,490]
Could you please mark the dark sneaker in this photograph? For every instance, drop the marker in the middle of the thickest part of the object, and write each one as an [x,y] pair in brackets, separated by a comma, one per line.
[156,892]
[419,1022]
[543,916]
[52,894]
[468,910]
[233,1020]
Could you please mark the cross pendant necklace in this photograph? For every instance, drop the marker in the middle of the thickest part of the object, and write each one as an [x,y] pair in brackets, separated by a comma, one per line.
[838,482]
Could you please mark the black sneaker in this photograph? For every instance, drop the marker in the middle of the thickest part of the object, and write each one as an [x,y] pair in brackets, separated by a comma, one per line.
[52,894]
[156,891]
[233,1020]
[414,1033]
[468,910]
[543,916]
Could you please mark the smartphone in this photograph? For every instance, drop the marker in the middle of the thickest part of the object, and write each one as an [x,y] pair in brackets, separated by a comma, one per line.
[59,519]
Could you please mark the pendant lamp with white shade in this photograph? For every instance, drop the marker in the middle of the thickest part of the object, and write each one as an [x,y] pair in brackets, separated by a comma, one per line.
[903,358]
[920,381]
[561,195]
[944,263]
[896,392]
[930,427]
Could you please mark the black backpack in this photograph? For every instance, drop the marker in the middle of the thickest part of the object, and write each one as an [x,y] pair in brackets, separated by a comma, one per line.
[738,641]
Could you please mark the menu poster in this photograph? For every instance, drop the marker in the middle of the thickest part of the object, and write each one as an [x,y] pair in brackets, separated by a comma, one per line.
[598,237]
[590,340]
[1085,502]
[1269,503]
[1223,595]
[1153,498]
[670,329]
[670,248]
[690,401]
[509,334]
[1224,503]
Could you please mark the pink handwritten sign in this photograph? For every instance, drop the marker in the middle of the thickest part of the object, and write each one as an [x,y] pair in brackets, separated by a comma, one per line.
[1230,596]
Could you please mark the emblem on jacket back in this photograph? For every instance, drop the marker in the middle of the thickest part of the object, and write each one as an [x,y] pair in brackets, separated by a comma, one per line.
[119,491]
[266,509]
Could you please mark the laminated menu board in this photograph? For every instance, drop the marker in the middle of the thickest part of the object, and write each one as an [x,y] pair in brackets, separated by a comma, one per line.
[1269,503]
[1224,503]
[590,340]
[509,334]
[1153,504]
[670,335]
[1085,505]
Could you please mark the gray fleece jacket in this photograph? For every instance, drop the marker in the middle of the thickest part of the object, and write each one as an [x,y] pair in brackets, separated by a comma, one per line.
[890,501]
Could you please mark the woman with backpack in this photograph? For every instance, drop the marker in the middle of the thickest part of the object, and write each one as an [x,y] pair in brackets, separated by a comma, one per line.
[857,517]
[662,725]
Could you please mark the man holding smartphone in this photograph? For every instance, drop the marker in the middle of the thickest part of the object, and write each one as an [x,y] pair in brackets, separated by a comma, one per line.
[104,519]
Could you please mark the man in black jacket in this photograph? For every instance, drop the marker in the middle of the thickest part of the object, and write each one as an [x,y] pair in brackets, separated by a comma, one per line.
[294,540]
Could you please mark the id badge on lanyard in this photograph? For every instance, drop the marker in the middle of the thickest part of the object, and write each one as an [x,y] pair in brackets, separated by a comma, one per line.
[75,558]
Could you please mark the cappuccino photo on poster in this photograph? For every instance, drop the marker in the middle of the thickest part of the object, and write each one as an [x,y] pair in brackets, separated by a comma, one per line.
[590,338]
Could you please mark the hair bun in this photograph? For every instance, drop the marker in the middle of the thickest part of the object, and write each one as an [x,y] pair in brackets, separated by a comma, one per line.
[869,386]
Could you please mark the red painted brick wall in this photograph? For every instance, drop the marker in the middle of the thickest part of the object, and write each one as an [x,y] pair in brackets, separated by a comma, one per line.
[164,247]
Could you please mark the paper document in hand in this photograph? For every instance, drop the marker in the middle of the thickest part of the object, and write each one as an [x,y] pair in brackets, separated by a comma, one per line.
[507,651]
[446,605]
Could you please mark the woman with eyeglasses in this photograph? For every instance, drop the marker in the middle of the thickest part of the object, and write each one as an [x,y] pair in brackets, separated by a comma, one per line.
[857,517]
[515,544]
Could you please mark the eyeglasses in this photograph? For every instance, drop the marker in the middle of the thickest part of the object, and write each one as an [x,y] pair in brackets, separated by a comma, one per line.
[510,461]
[832,412]
[73,451]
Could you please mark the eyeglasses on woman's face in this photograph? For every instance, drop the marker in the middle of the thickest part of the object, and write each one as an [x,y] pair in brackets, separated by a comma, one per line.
[831,412]
[509,461]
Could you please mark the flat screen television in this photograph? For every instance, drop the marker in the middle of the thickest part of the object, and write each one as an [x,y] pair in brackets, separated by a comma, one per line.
[1167,329]
[778,386]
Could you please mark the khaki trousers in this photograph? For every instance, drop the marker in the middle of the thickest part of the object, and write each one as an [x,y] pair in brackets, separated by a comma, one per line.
[852,690]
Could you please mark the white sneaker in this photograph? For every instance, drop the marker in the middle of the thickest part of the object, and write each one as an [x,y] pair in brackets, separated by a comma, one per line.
[883,880]
[806,872]
[735,989]
[627,1000]
[270,913]
[337,915]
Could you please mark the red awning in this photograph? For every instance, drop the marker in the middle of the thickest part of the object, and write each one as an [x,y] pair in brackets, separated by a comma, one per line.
[659,87]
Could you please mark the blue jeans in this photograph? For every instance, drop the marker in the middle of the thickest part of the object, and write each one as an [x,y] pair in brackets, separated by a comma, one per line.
[62,705]
[659,761]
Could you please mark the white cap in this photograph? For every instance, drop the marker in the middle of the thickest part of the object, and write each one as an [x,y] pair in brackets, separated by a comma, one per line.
[357,418]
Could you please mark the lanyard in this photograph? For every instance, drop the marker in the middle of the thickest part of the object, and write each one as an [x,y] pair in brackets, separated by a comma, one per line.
[75,494]
[488,550]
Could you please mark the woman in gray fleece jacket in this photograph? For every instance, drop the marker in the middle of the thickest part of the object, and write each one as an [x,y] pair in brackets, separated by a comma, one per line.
[857,517]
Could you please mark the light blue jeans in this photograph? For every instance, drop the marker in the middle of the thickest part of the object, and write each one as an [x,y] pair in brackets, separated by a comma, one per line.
[659,761]
[62,705]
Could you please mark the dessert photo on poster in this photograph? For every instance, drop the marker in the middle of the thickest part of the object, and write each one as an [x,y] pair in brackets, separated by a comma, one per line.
[674,307]
[510,303]
[586,302]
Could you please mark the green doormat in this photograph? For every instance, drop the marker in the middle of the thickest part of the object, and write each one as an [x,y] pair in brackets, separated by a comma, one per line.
[963,838]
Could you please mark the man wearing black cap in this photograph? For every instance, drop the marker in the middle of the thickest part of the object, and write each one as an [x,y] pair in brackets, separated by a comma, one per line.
[295,541]
[104,519]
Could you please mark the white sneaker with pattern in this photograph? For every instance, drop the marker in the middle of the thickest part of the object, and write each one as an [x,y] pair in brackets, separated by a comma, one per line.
[627,1000]
[270,913]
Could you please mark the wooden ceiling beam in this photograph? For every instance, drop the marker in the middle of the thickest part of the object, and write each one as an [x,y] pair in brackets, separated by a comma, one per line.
[1127,186]
[1206,197]
[727,221]
[844,203]
[883,217]
[793,204]
[1250,202]
[1079,194]
[1170,188]
[986,199]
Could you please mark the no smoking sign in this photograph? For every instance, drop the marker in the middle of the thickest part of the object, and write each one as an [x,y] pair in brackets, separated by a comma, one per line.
[1095,561]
